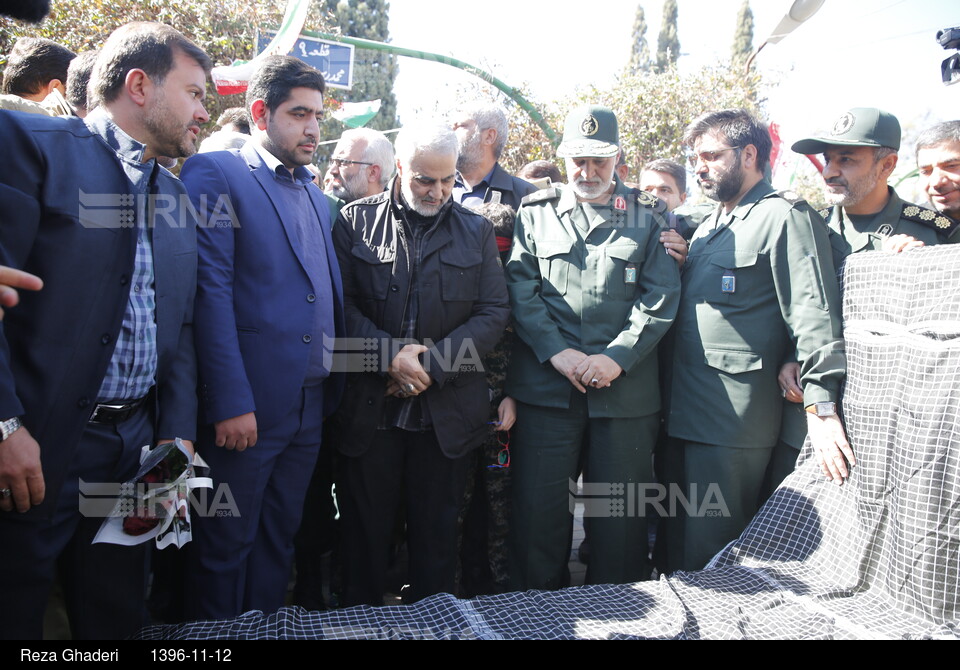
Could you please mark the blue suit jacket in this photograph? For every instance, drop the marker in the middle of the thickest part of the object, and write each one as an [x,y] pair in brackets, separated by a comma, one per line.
[255,301]
[64,216]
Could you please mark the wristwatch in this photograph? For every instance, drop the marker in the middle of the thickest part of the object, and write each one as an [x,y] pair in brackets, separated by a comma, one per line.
[822,408]
[9,426]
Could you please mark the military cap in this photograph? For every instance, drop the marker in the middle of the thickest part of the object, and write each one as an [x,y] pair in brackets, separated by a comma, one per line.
[590,131]
[859,127]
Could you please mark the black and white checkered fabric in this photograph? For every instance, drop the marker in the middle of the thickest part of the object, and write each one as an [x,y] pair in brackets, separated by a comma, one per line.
[876,558]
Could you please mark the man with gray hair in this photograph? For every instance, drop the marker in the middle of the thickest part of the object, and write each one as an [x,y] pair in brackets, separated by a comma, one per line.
[424,300]
[361,165]
[938,160]
[482,132]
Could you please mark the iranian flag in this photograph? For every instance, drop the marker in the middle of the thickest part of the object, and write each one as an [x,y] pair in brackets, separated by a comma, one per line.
[233,78]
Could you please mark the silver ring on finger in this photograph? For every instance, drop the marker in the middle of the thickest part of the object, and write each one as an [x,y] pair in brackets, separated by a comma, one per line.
[409,388]
[5,493]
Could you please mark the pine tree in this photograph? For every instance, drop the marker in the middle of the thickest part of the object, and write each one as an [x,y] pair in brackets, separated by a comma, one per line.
[374,72]
[668,43]
[743,37]
[640,51]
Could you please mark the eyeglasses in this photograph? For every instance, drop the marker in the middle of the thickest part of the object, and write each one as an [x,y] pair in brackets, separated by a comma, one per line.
[708,156]
[503,456]
[342,162]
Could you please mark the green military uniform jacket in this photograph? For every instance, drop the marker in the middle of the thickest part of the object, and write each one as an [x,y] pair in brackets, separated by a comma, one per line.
[612,290]
[756,289]
[897,218]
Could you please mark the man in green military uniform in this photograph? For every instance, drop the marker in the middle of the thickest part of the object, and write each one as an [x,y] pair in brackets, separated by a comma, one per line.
[758,284]
[859,155]
[592,292]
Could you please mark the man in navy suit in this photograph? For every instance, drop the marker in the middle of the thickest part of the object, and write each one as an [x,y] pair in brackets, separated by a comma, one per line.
[269,304]
[101,361]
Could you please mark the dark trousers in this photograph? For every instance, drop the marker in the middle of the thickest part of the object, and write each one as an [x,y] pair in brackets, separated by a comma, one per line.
[369,489]
[103,584]
[242,549]
[545,456]
[737,474]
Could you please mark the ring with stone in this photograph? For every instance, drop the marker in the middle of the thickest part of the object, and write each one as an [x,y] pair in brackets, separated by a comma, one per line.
[409,388]
[5,493]
[594,381]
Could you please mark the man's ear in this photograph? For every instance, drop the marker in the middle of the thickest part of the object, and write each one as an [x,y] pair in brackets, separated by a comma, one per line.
[887,165]
[258,114]
[489,136]
[373,174]
[750,158]
[137,83]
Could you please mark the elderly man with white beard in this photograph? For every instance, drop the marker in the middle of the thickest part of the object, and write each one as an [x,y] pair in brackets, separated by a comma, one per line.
[592,293]
[361,165]
[482,131]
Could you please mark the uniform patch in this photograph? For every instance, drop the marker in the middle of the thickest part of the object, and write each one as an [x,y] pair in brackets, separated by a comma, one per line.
[790,196]
[620,203]
[728,282]
[647,199]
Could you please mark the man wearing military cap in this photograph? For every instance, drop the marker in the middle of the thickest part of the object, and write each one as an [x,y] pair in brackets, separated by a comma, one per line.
[758,284]
[592,293]
[859,155]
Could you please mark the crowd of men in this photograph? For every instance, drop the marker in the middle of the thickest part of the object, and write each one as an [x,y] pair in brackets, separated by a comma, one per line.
[467,342]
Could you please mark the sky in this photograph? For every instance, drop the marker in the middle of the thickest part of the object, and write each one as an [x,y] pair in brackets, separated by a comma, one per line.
[852,53]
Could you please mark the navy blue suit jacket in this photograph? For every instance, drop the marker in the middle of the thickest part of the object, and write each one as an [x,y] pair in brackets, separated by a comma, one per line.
[66,214]
[255,301]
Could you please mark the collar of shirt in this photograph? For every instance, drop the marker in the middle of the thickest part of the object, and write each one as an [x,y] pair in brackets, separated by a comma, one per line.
[459,183]
[118,140]
[760,190]
[301,175]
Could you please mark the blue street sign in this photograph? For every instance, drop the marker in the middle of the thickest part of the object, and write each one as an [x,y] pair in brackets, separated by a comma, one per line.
[333,59]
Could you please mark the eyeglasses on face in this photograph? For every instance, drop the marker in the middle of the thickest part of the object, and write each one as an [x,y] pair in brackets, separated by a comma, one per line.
[708,156]
[342,162]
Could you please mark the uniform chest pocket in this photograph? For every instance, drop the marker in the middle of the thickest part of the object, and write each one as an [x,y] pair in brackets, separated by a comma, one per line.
[735,274]
[372,270]
[460,274]
[554,258]
[621,269]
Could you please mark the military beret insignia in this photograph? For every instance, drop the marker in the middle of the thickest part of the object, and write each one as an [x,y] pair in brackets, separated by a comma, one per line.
[589,126]
[843,124]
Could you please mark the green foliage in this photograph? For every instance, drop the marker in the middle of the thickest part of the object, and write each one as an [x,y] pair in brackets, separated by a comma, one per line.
[668,42]
[640,51]
[374,71]
[743,37]
[652,110]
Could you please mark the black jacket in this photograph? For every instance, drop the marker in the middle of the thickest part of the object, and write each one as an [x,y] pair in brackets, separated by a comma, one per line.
[462,314]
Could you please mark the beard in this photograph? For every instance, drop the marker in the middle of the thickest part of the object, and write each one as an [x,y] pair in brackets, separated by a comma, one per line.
[853,191]
[351,188]
[470,155]
[169,138]
[726,185]
[417,204]
[590,191]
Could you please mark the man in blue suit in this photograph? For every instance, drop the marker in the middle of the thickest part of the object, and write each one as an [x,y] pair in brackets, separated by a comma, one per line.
[101,361]
[269,304]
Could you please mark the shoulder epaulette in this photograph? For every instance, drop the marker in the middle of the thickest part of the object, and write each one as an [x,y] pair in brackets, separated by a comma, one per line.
[930,218]
[541,195]
[790,196]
